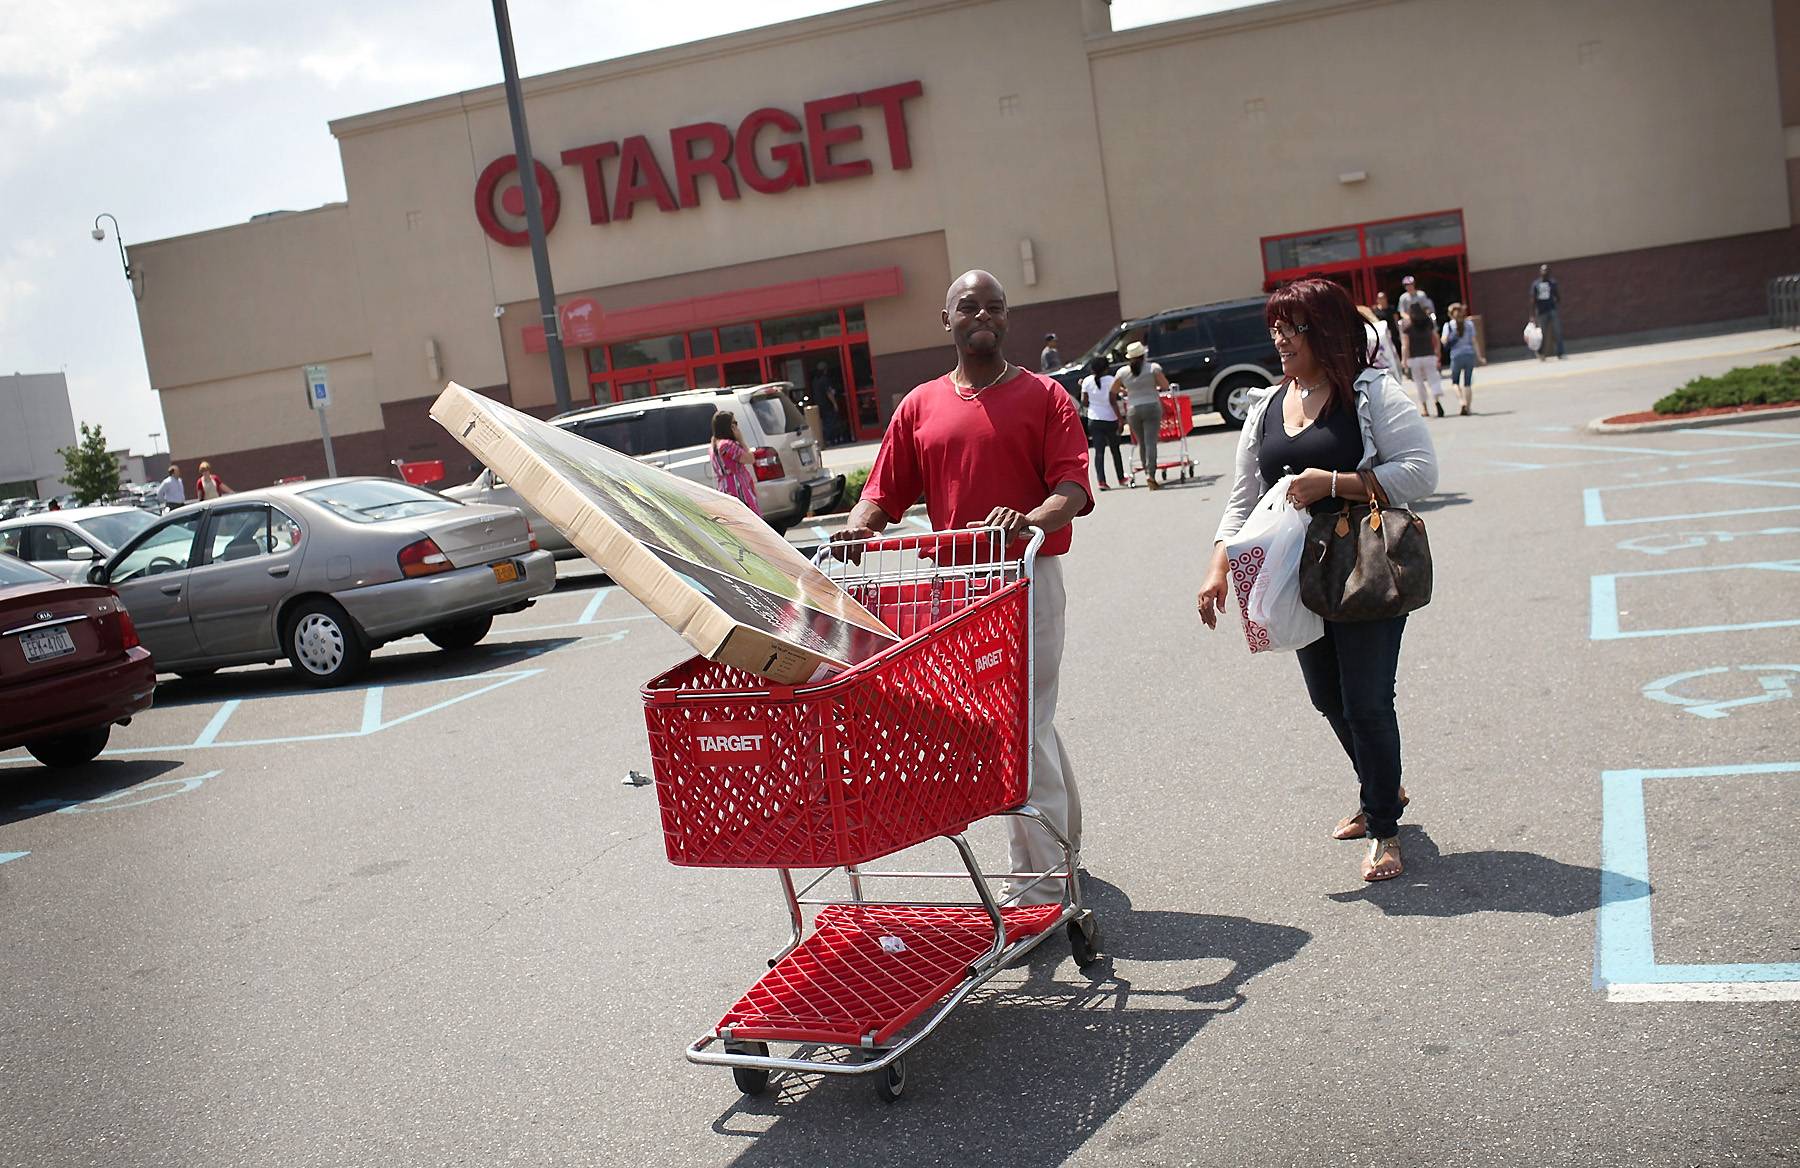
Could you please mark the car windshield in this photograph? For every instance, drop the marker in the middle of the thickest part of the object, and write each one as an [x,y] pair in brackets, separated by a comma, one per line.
[373,500]
[776,414]
[1113,347]
[115,531]
[14,571]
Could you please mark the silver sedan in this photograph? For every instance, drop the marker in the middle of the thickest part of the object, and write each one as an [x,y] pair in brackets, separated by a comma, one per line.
[322,573]
[66,543]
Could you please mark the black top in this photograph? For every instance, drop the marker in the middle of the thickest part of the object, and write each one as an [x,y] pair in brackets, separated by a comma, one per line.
[1334,442]
[1420,335]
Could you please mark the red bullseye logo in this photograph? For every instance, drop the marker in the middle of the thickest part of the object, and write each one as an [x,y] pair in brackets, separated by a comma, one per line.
[512,200]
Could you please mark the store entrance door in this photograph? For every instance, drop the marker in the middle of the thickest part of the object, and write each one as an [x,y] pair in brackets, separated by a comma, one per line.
[818,378]
[1440,278]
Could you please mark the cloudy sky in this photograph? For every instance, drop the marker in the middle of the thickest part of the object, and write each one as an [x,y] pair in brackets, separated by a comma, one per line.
[181,115]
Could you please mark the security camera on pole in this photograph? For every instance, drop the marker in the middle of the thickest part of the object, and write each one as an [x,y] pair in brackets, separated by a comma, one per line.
[318,396]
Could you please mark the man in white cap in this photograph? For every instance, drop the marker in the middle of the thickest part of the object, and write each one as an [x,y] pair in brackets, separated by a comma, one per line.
[1414,295]
[1142,379]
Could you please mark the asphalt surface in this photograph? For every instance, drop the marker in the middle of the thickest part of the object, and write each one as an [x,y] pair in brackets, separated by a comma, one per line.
[422,921]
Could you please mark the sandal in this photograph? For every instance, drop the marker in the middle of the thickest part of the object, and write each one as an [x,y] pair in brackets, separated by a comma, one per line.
[1355,827]
[1383,861]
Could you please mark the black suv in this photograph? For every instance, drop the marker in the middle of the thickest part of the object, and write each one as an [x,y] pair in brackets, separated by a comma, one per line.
[1218,354]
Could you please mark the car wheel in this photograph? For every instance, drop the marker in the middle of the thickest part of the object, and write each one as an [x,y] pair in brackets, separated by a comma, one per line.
[69,750]
[1232,399]
[323,644]
[463,634]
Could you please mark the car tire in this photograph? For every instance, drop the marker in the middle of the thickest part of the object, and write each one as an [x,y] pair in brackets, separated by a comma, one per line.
[464,634]
[324,646]
[1231,401]
[71,750]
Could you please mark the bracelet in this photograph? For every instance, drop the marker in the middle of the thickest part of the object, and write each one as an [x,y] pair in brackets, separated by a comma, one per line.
[1334,484]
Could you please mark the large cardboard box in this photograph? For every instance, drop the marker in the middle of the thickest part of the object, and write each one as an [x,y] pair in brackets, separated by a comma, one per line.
[700,560]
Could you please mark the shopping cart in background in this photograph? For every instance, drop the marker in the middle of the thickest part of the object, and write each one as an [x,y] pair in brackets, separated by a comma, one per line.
[912,745]
[1177,420]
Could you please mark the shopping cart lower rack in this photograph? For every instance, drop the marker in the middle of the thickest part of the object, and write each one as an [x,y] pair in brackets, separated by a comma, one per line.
[912,745]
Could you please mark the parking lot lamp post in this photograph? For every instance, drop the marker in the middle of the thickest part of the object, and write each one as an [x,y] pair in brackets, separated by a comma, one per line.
[99,234]
[534,212]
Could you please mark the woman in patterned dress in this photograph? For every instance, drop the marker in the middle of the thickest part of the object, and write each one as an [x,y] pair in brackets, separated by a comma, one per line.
[734,467]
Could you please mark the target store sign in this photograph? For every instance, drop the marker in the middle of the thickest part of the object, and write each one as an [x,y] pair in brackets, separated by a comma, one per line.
[770,151]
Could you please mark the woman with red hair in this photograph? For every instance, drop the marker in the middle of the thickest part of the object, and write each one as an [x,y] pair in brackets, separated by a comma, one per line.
[1333,415]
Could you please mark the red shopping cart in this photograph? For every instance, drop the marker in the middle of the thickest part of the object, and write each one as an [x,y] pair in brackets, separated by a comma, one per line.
[1177,420]
[912,745]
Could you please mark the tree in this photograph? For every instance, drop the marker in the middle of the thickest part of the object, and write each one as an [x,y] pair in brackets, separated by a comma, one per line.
[89,467]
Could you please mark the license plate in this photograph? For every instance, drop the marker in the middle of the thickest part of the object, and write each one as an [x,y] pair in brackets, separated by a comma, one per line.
[806,456]
[506,571]
[43,644]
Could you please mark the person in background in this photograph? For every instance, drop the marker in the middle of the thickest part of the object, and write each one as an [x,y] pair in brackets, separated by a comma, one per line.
[1049,360]
[1332,416]
[55,505]
[1384,352]
[1546,303]
[990,444]
[1414,295]
[1142,379]
[1465,352]
[170,490]
[1420,349]
[209,485]
[823,388]
[733,465]
[1103,400]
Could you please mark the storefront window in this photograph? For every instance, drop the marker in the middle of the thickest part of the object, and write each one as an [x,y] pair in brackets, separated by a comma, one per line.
[813,326]
[854,321]
[706,376]
[700,344]
[1414,234]
[647,351]
[735,338]
[596,359]
[743,373]
[674,384]
[1311,251]
[633,389]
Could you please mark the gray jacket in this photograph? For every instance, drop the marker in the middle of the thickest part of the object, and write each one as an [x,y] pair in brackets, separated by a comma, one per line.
[1396,446]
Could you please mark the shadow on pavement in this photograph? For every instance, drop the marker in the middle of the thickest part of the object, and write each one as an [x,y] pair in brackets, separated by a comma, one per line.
[1441,500]
[29,791]
[1438,885]
[1026,1072]
[422,664]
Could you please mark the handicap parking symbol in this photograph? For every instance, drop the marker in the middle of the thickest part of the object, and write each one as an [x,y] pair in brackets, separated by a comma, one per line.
[1773,683]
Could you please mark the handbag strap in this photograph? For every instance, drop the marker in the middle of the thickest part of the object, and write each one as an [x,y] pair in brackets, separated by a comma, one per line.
[1378,497]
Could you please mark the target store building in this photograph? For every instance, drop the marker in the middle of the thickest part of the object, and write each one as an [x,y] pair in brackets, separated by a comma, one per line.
[745,208]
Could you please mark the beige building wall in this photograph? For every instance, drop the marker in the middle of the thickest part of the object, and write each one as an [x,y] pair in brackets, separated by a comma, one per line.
[1561,128]
[275,293]
[268,409]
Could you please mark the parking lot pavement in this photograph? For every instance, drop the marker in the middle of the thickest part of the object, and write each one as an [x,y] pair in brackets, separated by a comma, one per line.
[422,919]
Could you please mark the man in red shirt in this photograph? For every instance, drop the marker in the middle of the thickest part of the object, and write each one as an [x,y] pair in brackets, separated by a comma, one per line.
[991,444]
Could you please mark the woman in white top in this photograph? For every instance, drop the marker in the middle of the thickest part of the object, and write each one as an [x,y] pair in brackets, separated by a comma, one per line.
[1102,400]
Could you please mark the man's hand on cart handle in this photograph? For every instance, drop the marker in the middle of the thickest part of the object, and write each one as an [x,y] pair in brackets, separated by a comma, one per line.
[1012,523]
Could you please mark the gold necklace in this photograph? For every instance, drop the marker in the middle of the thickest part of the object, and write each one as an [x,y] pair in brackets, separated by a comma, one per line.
[969,397]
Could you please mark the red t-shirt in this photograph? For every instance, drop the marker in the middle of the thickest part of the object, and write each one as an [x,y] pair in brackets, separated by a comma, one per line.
[1010,447]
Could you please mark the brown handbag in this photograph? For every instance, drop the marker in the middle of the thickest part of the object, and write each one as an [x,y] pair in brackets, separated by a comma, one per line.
[1369,561]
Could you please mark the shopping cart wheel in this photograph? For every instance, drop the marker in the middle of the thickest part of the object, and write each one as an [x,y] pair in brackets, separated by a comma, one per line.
[749,1080]
[1084,938]
[892,1081]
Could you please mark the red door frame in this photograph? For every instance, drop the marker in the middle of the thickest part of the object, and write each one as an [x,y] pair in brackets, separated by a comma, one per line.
[1364,267]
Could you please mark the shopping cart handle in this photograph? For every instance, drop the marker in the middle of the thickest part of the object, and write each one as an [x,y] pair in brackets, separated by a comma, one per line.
[933,544]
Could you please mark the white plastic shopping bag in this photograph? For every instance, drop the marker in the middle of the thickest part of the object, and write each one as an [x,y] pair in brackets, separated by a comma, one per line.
[1265,575]
[1534,336]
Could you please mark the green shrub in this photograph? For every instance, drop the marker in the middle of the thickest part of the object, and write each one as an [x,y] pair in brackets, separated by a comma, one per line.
[853,487]
[1747,386]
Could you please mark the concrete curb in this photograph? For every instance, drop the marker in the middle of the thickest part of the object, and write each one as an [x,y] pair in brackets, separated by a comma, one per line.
[1602,426]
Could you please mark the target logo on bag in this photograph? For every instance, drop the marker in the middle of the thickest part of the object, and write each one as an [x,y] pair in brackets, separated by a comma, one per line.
[730,743]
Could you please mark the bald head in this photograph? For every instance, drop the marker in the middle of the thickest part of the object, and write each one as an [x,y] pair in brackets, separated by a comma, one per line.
[975,315]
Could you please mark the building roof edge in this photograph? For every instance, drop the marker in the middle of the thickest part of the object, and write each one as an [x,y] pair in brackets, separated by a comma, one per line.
[1265,15]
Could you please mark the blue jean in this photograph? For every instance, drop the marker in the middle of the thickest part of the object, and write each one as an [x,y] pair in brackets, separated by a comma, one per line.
[1462,370]
[1550,321]
[1349,676]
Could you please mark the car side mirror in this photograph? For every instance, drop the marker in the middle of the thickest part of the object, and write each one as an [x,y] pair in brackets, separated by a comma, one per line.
[81,552]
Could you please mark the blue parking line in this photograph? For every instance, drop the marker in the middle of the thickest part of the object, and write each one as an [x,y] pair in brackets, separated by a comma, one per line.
[593,606]
[1625,962]
[1603,599]
[1595,511]
[8,857]
[218,722]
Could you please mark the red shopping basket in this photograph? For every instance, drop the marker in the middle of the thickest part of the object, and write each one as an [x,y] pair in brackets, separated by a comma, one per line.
[915,743]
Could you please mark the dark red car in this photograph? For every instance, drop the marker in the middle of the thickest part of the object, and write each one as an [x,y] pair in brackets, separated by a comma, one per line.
[70,665]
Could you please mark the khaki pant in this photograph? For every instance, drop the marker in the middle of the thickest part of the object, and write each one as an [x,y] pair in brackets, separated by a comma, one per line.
[1052,773]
